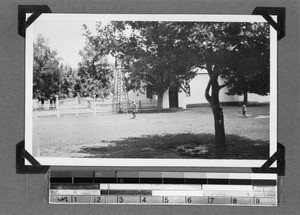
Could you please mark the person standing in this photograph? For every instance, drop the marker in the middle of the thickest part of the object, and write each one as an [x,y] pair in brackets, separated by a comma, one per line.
[134,109]
[244,110]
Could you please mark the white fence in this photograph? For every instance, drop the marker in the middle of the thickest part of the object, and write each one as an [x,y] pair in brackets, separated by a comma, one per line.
[73,106]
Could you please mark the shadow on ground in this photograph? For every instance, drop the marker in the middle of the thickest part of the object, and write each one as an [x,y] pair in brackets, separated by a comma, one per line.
[180,146]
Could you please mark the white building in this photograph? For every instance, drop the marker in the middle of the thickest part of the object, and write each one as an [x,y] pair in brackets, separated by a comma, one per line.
[174,98]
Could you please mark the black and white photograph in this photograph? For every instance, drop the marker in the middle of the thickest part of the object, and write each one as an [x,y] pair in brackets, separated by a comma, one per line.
[151,90]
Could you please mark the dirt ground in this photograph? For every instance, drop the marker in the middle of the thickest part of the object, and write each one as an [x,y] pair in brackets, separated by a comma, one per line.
[70,135]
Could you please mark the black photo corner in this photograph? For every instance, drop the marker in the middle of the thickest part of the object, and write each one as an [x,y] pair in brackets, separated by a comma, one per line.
[36,11]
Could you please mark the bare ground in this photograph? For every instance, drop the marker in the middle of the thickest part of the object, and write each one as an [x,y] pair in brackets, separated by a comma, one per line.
[181,134]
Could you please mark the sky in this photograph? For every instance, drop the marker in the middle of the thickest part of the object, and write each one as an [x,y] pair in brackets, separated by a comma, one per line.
[65,37]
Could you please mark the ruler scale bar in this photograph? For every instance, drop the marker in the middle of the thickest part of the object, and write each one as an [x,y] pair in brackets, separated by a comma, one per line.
[162,188]
[126,192]
[74,186]
[114,174]
[150,186]
[178,200]
[161,181]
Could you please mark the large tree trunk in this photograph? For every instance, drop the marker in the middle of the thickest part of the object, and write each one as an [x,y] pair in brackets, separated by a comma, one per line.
[160,102]
[220,140]
[245,98]
[213,99]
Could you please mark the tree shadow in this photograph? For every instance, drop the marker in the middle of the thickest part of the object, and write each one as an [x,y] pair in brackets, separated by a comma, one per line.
[184,146]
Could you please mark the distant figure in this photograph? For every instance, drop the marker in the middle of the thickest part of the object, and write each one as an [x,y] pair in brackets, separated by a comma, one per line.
[134,109]
[244,110]
[78,98]
[52,101]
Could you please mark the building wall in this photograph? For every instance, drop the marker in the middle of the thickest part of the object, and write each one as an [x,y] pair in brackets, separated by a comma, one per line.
[198,86]
[182,99]
[140,97]
[197,89]
[166,102]
[197,94]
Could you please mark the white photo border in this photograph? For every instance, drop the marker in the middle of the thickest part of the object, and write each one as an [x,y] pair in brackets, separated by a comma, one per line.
[123,162]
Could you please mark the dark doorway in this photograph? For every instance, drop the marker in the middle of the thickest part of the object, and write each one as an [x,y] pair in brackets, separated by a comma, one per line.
[173,97]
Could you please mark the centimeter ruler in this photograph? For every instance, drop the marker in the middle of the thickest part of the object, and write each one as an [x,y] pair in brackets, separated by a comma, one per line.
[162,188]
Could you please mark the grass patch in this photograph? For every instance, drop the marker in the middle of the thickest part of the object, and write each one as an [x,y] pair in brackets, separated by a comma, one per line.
[185,145]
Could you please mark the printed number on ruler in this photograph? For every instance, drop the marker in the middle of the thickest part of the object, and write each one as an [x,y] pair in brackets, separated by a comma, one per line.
[211,200]
[98,199]
[234,201]
[256,201]
[143,199]
[120,199]
[165,199]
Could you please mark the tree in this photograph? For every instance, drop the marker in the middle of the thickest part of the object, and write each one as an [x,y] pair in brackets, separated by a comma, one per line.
[223,50]
[152,53]
[69,79]
[94,71]
[157,54]
[253,65]
[46,70]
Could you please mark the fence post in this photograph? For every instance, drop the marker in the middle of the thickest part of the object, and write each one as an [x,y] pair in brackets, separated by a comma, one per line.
[34,111]
[94,96]
[76,103]
[57,104]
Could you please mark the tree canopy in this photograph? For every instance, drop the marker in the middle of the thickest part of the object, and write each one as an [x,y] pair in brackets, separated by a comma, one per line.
[46,70]
[51,77]
[94,71]
[253,62]
[153,53]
